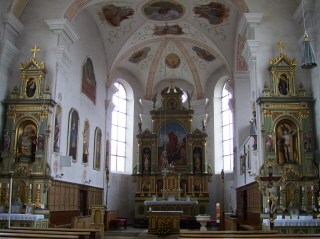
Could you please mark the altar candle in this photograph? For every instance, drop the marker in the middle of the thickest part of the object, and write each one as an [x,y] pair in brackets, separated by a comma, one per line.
[218,212]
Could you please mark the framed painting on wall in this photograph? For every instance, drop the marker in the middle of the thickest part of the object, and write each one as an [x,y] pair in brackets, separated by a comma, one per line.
[73,134]
[97,149]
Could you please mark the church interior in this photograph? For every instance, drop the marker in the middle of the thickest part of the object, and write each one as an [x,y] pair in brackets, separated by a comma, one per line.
[198,109]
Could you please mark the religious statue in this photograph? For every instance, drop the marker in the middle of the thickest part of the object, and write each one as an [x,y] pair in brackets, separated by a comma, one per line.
[189,98]
[146,159]
[26,143]
[140,126]
[154,100]
[269,142]
[271,187]
[307,142]
[197,160]
[6,141]
[253,130]
[85,149]
[284,141]
[204,124]
[56,135]
[40,142]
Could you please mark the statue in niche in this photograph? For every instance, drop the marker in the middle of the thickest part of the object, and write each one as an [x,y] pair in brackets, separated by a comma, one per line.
[27,141]
[146,159]
[56,135]
[285,143]
[197,159]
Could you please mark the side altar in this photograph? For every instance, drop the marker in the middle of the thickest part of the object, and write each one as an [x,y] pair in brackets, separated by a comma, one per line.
[172,171]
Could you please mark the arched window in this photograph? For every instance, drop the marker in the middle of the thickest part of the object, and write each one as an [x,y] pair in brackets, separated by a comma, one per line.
[118,129]
[227,129]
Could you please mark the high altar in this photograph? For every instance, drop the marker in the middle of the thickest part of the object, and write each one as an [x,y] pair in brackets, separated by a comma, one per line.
[172,172]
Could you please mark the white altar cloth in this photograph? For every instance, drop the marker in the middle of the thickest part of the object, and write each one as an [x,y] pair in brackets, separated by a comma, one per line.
[153,203]
[293,222]
[21,217]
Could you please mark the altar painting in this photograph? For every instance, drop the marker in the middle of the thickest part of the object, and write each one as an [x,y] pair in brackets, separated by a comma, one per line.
[172,145]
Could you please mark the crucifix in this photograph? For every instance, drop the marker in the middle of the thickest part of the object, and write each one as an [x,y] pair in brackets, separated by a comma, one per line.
[281,45]
[271,184]
[35,51]
[171,82]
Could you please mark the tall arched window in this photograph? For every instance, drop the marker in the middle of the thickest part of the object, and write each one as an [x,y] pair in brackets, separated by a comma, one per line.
[227,129]
[118,129]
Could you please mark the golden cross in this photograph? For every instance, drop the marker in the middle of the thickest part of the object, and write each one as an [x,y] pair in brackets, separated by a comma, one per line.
[171,82]
[35,51]
[281,45]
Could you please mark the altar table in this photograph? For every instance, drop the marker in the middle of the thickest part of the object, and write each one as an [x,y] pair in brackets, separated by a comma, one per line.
[170,217]
[23,220]
[295,226]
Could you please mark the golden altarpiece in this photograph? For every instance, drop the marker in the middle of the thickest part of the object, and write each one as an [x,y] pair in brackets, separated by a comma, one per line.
[289,177]
[172,171]
[24,154]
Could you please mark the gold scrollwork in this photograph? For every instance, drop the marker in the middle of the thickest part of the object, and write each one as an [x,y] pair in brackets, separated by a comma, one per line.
[304,113]
[295,114]
[276,114]
[267,113]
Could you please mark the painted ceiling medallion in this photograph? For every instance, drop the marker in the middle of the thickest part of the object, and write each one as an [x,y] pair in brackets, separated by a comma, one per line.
[203,54]
[215,12]
[163,10]
[114,14]
[139,55]
[164,30]
[172,61]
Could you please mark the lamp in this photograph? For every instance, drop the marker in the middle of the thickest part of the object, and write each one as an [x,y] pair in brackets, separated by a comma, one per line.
[308,59]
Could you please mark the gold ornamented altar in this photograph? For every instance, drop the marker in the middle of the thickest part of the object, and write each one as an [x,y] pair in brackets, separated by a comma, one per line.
[24,155]
[289,177]
[172,160]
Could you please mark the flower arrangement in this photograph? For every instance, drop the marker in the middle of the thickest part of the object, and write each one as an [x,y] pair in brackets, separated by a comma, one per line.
[163,230]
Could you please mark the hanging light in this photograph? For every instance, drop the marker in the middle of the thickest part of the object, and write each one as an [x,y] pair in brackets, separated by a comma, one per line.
[308,58]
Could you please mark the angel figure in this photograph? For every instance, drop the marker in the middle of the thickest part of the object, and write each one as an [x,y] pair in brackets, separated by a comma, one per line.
[154,100]
[189,98]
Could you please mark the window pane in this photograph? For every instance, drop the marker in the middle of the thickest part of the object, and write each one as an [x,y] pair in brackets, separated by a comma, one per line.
[227,130]
[120,164]
[114,132]
[122,120]
[118,129]
[122,106]
[121,149]
[113,162]
[122,134]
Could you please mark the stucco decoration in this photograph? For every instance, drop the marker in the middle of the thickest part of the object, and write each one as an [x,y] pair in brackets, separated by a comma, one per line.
[163,10]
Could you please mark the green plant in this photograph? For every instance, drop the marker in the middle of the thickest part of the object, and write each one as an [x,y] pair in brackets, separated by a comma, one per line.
[163,230]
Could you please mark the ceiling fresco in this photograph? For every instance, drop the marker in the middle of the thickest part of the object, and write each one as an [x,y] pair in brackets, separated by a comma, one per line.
[160,40]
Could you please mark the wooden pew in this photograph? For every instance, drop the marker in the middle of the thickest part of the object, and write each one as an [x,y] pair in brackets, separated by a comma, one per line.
[13,234]
[89,233]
